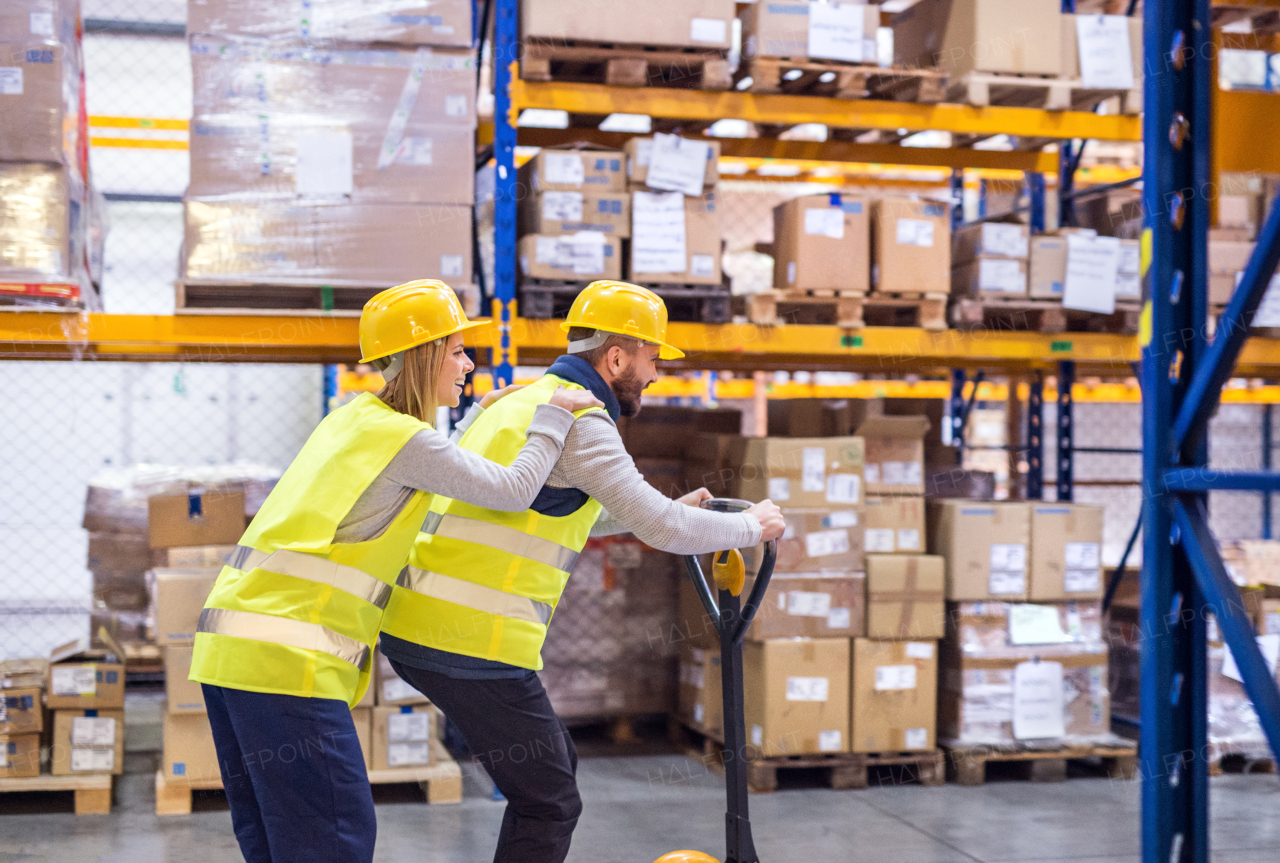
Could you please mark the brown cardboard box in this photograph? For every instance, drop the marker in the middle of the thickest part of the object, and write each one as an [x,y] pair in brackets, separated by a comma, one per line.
[392,691]
[1047,272]
[119,552]
[800,472]
[815,417]
[918,32]
[23,710]
[285,243]
[895,695]
[1268,617]
[195,519]
[893,524]
[988,276]
[639,151]
[701,695]
[995,239]
[910,246]
[894,454]
[35,219]
[402,736]
[701,241]
[24,672]
[181,694]
[85,681]
[707,462]
[904,596]
[556,213]
[986,545]
[599,171]
[1015,36]
[570,257]
[35,112]
[38,20]
[824,242]
[180,597]
[664,474]
[660,431]
[1234,211]
[362,718]
[1071,53]
[87,741]
[684,23]
[197,555]
[811,605]
[424,22]
[1066,551]
[189,752]
[19,756]
[783,30]
[797,695]
[821,540]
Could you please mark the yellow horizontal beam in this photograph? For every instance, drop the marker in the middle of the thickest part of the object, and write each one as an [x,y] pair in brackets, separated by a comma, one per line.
[136,143]
[1246,131]
[104,122]
[792,110]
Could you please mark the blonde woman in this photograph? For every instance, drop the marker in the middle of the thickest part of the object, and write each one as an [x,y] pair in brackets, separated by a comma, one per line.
[284,644]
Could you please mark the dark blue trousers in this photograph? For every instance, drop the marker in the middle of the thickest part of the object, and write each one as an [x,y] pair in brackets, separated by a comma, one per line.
[294,776]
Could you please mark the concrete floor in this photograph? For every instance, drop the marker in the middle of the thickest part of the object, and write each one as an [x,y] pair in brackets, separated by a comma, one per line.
[640,806]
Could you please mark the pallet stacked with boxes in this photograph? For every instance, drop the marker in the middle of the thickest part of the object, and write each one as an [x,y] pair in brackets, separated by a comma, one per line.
[332,152]
[51,227]
[85,700]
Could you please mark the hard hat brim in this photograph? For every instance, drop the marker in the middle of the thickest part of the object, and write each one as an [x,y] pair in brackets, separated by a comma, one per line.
[665,351]
[470,326]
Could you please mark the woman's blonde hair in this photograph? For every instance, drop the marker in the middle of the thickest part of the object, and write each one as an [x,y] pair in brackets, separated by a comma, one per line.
[413,391]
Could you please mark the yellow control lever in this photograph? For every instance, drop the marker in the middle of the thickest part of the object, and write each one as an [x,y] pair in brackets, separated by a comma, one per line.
[730,571]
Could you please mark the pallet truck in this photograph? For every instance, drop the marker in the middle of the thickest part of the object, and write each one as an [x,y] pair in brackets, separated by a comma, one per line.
[731,617]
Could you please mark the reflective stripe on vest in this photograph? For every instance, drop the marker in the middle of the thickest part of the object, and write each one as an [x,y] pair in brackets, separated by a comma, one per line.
[472,595]
[311,567]
[502,538]
[282,630]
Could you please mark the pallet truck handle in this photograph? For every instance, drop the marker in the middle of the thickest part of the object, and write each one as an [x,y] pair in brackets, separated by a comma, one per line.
[734,630]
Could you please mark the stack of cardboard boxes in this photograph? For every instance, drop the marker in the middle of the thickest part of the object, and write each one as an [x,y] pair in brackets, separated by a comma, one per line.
[813,30]
[1023,658]
[85,699]
[311,163]
[574,214]
[22,721]
[396,723]
[675,213]
[989,259]
[180,594]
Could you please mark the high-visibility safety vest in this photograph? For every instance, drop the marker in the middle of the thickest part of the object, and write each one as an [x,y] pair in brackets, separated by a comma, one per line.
[293,612]
[485,583]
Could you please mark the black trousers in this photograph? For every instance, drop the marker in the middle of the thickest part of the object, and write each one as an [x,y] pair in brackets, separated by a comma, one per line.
[525,747]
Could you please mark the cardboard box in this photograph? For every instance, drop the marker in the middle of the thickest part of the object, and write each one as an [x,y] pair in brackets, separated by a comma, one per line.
[811,605]
[180,595]
[35,110]
[918,32]
[823,242]
[392,691]
[19,756]
[362,718]
[640,150]
[557,213]
[1015,36]
[119,552]
[905,596]
[894,454]
[36,239]
[910,246]
[195,519]
[895,696]
[800,472]
[38,20]
[424,22]
[198,555]
[986,545]
[847,32]
[819,540]
[893,524]
[1235,211]
[660,431]
[23,710]
[990,277]
[24,672]
[701,695]
[288,244]
[995,239]
[590,255]
[1071,52]
[181,694]
[797,695]
[189,751]
[667,475]
[815,417]
[1268,617]
[85,682]
[402,736]
[684,23]
[598,171]
[1047,272]
[653,231]
[1066,551]
[87,741]
[707,462]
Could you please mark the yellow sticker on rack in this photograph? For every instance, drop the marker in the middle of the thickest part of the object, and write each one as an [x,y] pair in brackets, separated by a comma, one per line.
[1144,324]
[1144,253]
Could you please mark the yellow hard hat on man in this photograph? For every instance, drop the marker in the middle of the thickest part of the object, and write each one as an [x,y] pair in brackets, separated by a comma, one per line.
[407,316]
[623,309]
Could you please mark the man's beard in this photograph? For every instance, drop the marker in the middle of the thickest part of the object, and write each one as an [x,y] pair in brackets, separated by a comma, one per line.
[628,387]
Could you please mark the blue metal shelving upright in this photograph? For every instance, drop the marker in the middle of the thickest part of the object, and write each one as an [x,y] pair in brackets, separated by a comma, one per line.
[506,46]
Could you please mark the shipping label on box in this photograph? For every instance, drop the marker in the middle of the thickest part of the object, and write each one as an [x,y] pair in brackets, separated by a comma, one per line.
[80,685]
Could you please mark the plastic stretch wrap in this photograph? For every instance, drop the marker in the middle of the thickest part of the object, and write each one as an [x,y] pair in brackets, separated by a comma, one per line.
[426,22]
[117,498]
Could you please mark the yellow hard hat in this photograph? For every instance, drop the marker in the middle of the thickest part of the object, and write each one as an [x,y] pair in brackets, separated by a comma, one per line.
[409,315]
[686,857]
[625,309]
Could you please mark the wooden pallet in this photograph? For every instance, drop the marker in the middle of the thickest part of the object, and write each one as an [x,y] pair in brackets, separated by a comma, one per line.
[1034,91]
[967,763]
[1257,761]
[551,298]
[92,792]
[625,65]
[834,78]
[441,782]
[1040,316]
[845,309]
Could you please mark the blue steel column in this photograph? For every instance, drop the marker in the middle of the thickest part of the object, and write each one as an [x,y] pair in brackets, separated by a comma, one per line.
[1176,135]
[956,413]
[1035,440]
[505,51]
[1035,191]
[330,389]
[957,197]
[1066,431]
[1266,465]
